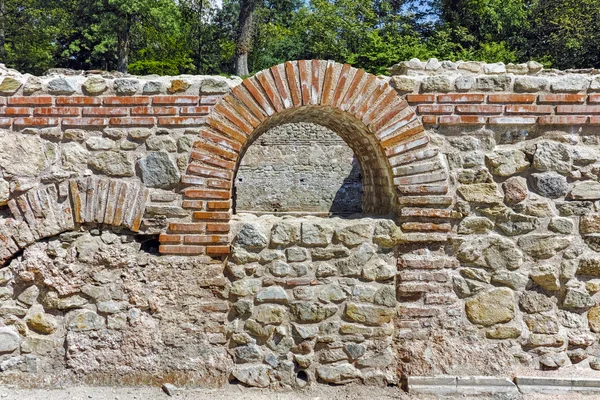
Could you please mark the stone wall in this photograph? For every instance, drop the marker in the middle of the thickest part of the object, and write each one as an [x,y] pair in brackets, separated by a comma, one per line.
[308,168]
[477,252]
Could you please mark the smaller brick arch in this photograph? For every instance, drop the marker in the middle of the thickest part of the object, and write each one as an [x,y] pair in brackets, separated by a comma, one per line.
[400,169]
[53,209]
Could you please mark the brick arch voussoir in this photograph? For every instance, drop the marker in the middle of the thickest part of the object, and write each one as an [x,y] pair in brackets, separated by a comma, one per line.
[53,209]
[418,171]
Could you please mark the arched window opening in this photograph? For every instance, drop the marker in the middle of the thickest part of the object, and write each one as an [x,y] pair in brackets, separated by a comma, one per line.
[299,168]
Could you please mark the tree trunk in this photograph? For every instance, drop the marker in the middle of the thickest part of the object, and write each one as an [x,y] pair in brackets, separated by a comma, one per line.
[244,36]
[123,42]
[2,31]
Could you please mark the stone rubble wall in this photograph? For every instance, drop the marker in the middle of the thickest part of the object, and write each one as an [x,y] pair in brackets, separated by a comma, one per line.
[484,259]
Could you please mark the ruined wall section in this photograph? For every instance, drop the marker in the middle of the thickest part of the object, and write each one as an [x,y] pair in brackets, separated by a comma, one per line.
[514,289]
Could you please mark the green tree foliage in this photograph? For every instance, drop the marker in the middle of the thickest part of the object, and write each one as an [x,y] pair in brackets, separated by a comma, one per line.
[171,37]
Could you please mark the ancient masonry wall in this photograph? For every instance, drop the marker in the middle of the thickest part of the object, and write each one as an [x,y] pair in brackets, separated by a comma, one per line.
[477,252]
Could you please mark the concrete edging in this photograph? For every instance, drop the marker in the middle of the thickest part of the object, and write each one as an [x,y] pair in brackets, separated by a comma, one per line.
[495,385]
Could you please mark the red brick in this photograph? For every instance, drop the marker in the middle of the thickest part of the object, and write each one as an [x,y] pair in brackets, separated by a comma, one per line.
[233,132]
[528,109]
[132,121]
[304,81]
[209,172]
[57,111]
[154,110]
[194,110]
[594,98]
[561,98]
[209,100]
[219,184]
[38,121]
[293,83]
[435,109]
[212,216]
[175,100]
[595,120]
[206,194]
[31,101]
[511,98]
[461,98]
[181,121]
[246,98]
[216,227]
[212,160]
[193,180]
[105,112]
[425,227]
[269,89]
[214,149]
[512,120]
[127,101]
[2,101]
[242,110]
[172,239]
[426,213]
[218,205]
[187,227]
[218,250]
[479,109]
[420,98]
[5,122]
[205,239]
[562,120]
[182,250]
[429,119]
[235,119]
[82,122]
[462,120]
[78,101]
[578,110]
[16,111]
[193,204]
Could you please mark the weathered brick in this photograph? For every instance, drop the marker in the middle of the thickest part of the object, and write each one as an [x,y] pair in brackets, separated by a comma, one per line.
[192,110]
[577,109]
[142,110]
[175,100]
[215,227]
[426,213]
[126,101]
[16,111]
[209,100]
[209,172]
[206,194]
[562,120]
[212,216]
[461,98]
[32,101]
[193,204]
[420,98]
[479,109]
[281,86]
[218,250]
[187,227]
[511,98]
[216,150]
[512,120]
[425,227]
[528,109]
[435,109]
[132,121]
[561,98]
[212,160]
[219,205]
[304,81]
[84,122]
[235,119]
[462,120]
[104,111]
[594,98]
[171,239]
[181,121]
[57,111]
[182,250]
[429,119]
[35,121]
[292,81]
[412,190]
[205,239]
[270,90]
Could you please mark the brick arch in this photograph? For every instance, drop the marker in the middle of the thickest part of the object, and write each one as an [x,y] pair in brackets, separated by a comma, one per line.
[53,209]
[387,137]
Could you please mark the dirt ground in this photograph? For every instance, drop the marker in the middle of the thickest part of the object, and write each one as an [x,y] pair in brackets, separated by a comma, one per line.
[242,393]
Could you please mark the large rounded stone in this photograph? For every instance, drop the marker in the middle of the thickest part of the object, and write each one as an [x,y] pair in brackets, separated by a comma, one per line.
[549,184]
[21,155]
[508,163]
[158,170]
[495,306]
[86,321]
[41,322]
[588,190]
[112,163]
[94,85]
[552,156]
[482,193]
[253,375]
[354,235]
[251,237]
[126,86]
[368,314]
[9,86]
[515,190]
[9,340]
[60,86]
[543,246]
[594,319]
